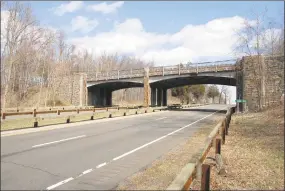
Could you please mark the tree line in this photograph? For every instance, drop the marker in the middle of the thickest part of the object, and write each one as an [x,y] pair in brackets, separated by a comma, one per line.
[201,93]
[33,57]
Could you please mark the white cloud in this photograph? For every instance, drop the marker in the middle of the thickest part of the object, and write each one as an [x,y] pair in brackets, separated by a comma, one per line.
[106,8]
[35,33]
[68,7]
[193,42]
[4,20]
[83,24]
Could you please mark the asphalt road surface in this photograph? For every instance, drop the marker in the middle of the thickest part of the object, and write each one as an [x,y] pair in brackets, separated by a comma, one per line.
[97,155]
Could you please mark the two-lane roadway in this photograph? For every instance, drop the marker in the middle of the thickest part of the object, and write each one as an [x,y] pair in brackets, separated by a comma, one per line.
[97,155]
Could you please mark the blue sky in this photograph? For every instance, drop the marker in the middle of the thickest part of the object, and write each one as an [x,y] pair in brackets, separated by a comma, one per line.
[159,16]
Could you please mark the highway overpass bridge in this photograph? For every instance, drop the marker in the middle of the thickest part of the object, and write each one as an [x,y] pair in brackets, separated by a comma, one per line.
[156,80]
[95,88]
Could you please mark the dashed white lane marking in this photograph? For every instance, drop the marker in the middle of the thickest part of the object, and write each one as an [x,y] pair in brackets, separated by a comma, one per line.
[158,139]
[87,171]
[60,183]
[62,140]
[161,118]
[100,165]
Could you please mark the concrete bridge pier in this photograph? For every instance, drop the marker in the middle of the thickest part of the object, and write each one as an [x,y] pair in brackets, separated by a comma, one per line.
[158,97]
[100,97]
[153,96]
[164,97]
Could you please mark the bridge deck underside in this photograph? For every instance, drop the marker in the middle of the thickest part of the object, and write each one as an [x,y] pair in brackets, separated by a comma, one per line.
[115,85]
[182,81]
[166,83]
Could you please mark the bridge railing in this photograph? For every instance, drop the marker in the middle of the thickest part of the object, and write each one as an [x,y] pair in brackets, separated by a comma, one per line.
[224,65]
[193,68]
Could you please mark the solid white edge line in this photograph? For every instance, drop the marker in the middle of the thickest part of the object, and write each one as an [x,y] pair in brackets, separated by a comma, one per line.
[134,150]
[62,140]
[100,165]
[60,183]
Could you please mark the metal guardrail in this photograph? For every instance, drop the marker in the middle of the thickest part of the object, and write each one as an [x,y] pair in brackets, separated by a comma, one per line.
[224,65]
[198,170]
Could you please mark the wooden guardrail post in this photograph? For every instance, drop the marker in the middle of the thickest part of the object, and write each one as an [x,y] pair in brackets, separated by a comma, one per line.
[205,181]
[58,112]
[218,146]
[223,134]
[226,125]
[68,119]
[36,122]
[77,110]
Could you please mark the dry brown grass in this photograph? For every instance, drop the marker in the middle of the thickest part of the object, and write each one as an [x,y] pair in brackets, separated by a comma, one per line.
[163,171]
[253,153]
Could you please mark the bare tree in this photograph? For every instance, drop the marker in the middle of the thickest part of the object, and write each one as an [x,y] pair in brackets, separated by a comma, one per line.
[19,22]
[251,43]
[224,90]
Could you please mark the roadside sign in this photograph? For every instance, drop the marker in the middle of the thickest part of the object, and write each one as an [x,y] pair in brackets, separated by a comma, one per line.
[241,101]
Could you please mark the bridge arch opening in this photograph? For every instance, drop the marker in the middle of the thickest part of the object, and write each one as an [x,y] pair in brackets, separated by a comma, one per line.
[159,88]
[101,94]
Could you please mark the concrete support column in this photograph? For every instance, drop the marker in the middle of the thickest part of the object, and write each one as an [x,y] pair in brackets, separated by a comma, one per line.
[100,97]
[164,97]
[159,97]
[108,98]
[153,97]
[101,100]
[146,88]
[83,92]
